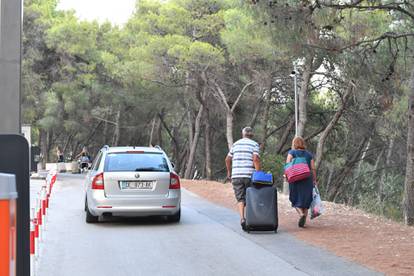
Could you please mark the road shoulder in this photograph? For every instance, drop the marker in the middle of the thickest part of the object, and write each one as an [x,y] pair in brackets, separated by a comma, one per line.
[369,240]
[305,257]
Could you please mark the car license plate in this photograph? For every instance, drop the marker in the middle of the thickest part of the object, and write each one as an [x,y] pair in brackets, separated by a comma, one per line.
[136,185]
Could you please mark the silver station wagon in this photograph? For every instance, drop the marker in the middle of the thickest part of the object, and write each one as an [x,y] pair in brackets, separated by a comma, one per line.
[132,182]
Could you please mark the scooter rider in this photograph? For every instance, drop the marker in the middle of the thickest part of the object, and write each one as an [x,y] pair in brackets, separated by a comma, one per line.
[84,159]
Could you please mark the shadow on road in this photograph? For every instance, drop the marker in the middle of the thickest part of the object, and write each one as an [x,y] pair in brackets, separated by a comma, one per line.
[147,221]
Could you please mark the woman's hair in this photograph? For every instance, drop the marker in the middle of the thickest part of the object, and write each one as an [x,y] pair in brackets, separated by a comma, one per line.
[298,143]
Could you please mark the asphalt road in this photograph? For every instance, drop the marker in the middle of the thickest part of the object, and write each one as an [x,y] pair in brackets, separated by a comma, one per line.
[207,241]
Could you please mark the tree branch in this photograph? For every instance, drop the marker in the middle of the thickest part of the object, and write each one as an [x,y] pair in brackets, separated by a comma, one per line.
[332,123]
[105,120]
[161,116]
[221,95]
[396,6]
[377,40]
[240,95]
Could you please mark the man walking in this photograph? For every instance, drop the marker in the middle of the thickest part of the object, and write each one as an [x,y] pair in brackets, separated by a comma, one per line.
[241,162]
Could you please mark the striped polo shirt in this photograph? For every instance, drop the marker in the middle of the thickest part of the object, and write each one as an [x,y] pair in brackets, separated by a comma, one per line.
[242,157]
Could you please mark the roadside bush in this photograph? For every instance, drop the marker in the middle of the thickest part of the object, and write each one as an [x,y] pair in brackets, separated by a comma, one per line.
[367,193]
[274,163]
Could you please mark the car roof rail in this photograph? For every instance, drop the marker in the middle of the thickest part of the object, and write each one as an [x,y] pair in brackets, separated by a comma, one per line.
[158,147]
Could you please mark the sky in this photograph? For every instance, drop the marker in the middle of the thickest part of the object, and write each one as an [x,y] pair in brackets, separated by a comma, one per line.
[116,11]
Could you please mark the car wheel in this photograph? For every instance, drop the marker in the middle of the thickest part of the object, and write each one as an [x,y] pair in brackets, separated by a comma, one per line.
[175,218]
[89,217]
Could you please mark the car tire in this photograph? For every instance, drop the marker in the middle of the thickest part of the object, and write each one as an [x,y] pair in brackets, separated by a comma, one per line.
[89,217]
[175,218]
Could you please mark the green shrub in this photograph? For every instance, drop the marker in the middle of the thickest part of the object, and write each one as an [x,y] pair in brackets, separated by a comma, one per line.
[274,163]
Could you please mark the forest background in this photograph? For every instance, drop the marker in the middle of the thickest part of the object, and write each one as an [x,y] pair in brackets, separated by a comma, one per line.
[189,74]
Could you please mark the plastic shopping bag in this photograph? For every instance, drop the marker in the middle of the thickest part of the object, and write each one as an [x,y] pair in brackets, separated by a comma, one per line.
[316,208]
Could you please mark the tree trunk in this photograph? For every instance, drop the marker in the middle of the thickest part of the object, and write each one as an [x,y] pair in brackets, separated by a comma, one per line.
[256,112]
[331,171]
[229,128]
[364,154]
[74,150]
[91,134]
[175,145]
[266,122]
[190,127]
[384,173]
[409,174]
[117,132]
[49,145]
[43,146]
[151,138]
[193,147]
[105,130]
[303,96]
[183,157]
[378,161]
[334,190]
[332,123]
[158,131]
[358,172]
[156,134]
[285,136]
[229,110]
[65,147]
[209,174]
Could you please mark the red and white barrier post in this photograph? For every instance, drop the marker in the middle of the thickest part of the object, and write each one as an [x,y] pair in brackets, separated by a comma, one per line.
[32,244]
[36,237]
[43,205]
[48,192]
[38,219]
[39,216]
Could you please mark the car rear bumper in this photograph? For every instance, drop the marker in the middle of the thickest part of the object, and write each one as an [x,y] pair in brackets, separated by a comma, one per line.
[98,204]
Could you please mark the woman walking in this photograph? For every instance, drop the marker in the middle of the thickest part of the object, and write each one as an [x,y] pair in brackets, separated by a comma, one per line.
[300,192]
[59,155]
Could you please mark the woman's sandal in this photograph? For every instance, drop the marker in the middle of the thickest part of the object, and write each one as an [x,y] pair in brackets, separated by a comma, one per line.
[243,224]
[301,222]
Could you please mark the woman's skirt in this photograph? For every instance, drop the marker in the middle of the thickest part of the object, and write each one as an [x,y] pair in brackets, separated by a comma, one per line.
[300,193]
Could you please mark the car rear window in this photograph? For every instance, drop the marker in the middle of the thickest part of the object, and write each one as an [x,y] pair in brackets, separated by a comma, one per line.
[136,161]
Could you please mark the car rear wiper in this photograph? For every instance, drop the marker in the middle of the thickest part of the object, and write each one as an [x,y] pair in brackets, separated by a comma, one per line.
[148,169]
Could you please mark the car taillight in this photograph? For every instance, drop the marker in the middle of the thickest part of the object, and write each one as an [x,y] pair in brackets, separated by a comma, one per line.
[174,181]
[98,182]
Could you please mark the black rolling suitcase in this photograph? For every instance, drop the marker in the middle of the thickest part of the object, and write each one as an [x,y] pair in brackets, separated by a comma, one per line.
[261,208]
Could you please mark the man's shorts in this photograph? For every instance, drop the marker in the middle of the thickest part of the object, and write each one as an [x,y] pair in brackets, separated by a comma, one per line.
[240,185]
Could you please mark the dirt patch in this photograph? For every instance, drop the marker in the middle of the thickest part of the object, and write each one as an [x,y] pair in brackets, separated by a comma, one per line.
[375,242]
